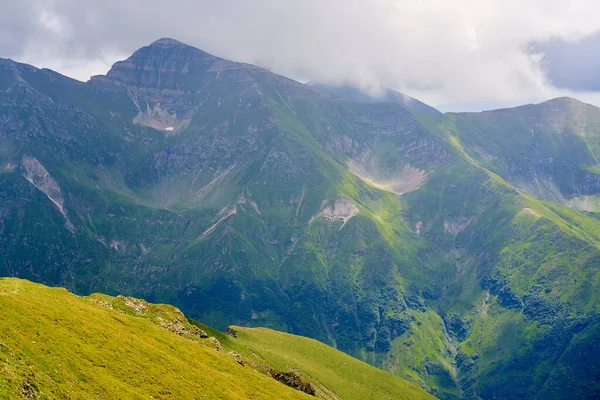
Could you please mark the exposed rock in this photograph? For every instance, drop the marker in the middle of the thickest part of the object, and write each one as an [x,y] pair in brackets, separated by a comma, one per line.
[137,305]
[167,317]
[231,332]
[244,200]
[10,167]
[406,179]
[222,216]
[159,119]
[117,244]
[456,225]
[214,342]
[342,210]
[39,177]
[145,250]
[419,227]
[237,357]
[293,379]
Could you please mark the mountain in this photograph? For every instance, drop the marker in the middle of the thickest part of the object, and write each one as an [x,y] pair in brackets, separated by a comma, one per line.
[548,150]
[122,347]
[459,251]
[356,95]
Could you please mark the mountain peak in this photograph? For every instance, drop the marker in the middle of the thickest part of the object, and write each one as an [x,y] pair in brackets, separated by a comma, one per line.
[168,42]
[164,64]
[564,100]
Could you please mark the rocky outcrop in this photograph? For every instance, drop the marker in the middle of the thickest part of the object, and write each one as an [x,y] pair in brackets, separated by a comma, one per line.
[454,226]
[168,317]
[342,210]
[405,179]
[39,177]
[293,379]
[237,357]
[168,82]
[231,332]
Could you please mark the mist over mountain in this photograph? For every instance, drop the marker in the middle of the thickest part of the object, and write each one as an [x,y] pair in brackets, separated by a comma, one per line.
[459,251]
[356,95]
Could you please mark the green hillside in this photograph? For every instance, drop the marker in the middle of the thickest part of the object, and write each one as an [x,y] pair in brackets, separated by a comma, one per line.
[458,251]
[550,150]
[57,345]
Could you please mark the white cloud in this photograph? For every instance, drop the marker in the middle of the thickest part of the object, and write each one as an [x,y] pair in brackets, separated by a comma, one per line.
[442,51]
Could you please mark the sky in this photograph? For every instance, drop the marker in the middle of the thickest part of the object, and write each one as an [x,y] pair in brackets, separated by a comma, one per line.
[453,54]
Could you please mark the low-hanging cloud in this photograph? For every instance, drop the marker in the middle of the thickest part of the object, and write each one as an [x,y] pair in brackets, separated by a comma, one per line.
[445,51]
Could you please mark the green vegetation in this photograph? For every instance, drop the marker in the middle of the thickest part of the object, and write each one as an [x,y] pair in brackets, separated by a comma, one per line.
[459,251]
[332,372]
[57,345]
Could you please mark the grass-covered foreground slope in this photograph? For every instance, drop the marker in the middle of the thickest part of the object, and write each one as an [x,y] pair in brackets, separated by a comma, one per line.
[54,344]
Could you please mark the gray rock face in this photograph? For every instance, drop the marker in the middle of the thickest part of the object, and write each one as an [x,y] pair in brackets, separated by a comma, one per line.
[37,175]
[169,82]
[342,210]
[165,65]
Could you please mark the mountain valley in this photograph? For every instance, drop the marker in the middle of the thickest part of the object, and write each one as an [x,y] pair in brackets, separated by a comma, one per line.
[459,251]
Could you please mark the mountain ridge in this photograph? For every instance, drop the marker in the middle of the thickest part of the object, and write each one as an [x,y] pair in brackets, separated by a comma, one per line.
[413,241]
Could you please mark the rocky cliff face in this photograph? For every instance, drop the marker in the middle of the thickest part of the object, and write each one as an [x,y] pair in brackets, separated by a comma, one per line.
[404,238]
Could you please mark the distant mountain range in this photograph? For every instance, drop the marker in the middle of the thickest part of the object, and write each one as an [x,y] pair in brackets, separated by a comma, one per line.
[460,251]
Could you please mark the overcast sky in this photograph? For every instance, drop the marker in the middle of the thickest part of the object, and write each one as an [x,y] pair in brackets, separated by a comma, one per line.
[464,53]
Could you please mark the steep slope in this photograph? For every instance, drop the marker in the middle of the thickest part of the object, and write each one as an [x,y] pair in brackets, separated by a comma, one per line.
[247,197]
[525,285]
[57,345]
[408,239]
[548,150]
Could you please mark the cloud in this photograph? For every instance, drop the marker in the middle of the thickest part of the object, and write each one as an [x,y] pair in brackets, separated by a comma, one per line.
[443,51]
[573,64]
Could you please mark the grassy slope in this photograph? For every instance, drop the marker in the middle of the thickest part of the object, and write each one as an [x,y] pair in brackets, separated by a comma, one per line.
[348,377]
[524,286]
[549,150]
[57,345]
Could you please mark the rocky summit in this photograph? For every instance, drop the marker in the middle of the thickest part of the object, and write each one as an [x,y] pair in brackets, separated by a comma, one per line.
[458,251]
